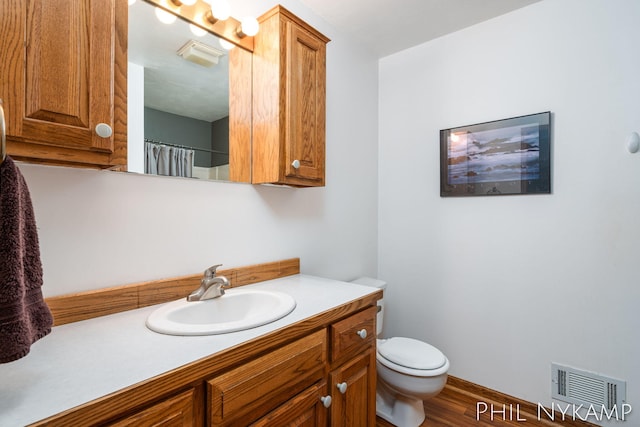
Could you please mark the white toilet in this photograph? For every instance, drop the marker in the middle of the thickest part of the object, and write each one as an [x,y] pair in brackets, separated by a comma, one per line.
[409,371]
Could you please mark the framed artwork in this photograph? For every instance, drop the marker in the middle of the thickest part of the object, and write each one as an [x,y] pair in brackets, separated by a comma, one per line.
[509,156]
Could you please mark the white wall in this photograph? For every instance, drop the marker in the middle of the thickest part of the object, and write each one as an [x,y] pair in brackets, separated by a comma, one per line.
[505,285]
[101,228]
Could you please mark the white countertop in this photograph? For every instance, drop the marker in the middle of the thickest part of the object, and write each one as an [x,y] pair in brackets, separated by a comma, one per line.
[79,362]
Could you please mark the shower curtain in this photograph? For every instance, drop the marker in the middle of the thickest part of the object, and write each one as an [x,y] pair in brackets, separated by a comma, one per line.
[169,161]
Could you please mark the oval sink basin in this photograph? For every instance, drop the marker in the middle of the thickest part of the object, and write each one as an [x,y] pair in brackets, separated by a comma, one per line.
[236,310]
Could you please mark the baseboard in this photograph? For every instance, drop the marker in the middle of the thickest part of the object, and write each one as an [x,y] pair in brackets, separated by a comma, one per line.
[513,407]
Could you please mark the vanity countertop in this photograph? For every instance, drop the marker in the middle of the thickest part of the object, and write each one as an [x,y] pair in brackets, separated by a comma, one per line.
[86,360]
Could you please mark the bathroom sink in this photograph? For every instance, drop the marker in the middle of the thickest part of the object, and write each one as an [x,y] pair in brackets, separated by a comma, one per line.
[236,310]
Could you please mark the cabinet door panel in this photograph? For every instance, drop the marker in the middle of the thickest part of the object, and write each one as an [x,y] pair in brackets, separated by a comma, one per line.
[304,410]
[304,140]
[251,390]
[63,67]
[356,407]
[353,334]
[68,70]
[173,412]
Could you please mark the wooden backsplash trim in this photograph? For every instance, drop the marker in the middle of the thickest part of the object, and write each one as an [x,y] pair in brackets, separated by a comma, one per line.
[87,305]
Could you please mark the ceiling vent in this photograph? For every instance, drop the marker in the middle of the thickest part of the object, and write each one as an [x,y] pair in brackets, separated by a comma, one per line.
[200,53]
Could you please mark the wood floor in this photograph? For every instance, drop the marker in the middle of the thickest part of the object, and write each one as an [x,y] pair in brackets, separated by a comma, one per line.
[456,406]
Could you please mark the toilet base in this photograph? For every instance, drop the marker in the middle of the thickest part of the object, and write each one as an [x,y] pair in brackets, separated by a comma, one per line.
[401,411]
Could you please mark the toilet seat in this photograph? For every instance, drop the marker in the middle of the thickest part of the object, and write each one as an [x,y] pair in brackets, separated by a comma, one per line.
[412,357]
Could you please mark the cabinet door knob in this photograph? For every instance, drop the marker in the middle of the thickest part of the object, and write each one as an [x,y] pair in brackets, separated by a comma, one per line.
[362,333]
[295,164]
[326,401]
[342,387]
[104,130]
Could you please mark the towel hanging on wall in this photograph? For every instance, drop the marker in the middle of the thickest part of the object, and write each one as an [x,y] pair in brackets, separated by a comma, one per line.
[24,316]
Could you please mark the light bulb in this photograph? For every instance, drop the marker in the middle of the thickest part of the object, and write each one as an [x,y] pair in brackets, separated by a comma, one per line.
[164,16]
[197,31]
[188,2]
[226,45]
[248,27]
[220,9]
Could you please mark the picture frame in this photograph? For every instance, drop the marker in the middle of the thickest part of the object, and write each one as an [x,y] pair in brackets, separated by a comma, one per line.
[501,157]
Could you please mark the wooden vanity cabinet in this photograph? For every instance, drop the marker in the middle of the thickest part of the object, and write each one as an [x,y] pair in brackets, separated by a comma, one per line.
[306,409]
[353,370]
[320,374]
[289,105]
[291,385]
[63,76]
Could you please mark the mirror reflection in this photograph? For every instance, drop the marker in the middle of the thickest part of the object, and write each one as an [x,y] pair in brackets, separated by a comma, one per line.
[178,98]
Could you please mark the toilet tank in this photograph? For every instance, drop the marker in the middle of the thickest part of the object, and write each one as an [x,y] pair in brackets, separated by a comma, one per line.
[375,283]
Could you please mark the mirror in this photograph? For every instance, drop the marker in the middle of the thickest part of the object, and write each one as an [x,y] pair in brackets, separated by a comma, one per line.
[179,99]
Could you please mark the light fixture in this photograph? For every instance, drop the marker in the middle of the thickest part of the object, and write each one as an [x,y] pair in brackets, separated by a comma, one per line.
[220,10]
[226,44]
[184,2]
[248,27]
[164,16]
[197,31]
[200,53]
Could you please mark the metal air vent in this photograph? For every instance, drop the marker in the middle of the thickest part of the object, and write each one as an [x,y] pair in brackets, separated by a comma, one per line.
[586,388]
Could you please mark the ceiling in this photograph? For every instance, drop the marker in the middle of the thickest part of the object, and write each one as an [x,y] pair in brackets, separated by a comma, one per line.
[389,26]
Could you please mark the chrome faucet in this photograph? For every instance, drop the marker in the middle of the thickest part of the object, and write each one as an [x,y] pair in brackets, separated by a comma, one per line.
[210,286]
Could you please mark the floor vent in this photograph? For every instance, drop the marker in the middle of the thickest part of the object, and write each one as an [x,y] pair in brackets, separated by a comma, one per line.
[586,388]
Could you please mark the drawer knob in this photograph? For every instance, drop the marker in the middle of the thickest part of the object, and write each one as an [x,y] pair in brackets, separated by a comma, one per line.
[103,130]
[326,401]
[295,164]
[362,333]
[342,387]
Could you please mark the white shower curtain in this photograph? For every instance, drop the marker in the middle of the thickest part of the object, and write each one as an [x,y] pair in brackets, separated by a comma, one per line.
[166,160]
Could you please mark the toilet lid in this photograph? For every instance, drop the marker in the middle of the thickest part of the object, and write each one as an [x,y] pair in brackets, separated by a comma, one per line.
[411,353]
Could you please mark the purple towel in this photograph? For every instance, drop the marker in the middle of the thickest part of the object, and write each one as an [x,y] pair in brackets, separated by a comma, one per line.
[24,316]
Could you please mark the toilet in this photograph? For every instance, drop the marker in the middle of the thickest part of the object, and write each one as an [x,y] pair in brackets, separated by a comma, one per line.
[409,372]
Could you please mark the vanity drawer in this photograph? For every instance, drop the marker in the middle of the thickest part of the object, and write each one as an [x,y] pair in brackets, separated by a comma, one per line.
[353,334]
[246,393]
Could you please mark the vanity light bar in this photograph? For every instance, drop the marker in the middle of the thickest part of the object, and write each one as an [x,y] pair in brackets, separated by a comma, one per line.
[198,14]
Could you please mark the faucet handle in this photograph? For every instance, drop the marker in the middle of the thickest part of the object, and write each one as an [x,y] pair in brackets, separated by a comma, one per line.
[211,271]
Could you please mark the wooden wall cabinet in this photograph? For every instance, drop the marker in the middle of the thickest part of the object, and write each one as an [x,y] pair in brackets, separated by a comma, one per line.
[289,106]
[63,76]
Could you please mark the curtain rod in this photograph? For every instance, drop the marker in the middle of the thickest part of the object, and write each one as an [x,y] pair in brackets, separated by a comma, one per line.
[153,141]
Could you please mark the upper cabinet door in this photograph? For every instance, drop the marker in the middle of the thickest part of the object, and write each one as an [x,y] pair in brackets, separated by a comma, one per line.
[63,66]
[305,100]
[289,113]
